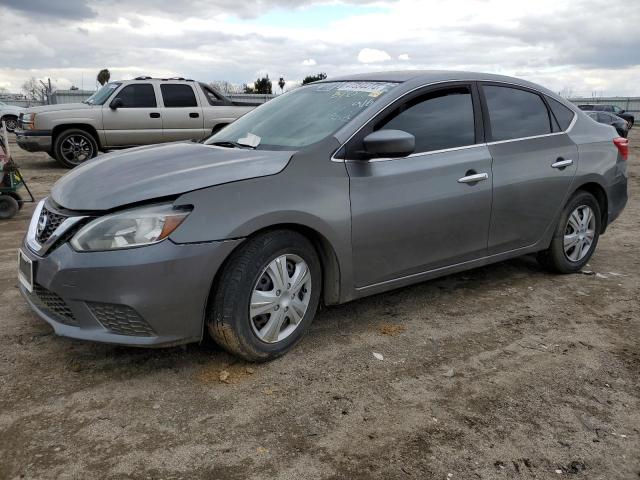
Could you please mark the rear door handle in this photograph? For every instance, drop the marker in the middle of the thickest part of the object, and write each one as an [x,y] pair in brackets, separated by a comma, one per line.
[194,115]
[474,178]
[154,115]
[561,163]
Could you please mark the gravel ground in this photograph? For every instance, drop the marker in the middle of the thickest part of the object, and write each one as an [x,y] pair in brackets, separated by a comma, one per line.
[501,372]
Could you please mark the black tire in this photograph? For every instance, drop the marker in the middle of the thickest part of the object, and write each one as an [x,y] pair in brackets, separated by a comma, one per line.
[554,258]
[86,145]
[11,122]
[9,207]
[228,317]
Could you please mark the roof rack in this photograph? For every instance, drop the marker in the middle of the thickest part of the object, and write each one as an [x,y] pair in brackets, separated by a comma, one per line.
[142,78]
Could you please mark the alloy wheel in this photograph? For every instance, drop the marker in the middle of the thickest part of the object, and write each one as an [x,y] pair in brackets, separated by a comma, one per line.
[579,233]
[76,149]
[280,298]
[11,124]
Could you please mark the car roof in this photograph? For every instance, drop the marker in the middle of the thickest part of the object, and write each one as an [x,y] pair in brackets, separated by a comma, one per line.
[429,76]
[424,77]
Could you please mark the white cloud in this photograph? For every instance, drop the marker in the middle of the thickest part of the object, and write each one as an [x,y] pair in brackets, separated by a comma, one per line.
[373,55]
[543,41]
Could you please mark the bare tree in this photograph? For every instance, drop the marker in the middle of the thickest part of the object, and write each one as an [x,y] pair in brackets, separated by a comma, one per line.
[33,90]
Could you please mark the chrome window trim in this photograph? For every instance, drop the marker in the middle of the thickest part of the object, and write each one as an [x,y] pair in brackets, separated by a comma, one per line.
[419,154]
[497,142]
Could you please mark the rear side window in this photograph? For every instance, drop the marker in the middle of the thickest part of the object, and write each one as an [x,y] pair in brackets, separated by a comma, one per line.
[178,95]
[563,115]
[515,113]
[138,95]
[439,120]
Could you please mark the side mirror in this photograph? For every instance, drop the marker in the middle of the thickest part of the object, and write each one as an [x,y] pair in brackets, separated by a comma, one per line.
[390,143]
[622,110]
[116,103]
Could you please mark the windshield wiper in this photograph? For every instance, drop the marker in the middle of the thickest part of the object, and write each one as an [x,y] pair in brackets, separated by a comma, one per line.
[230,144]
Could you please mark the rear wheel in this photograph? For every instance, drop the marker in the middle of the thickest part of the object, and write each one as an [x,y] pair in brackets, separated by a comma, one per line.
[9,207]
[73,147]
[266,296]
[576,235]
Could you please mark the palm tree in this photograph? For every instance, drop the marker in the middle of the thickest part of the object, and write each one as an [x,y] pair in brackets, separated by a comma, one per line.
[103,76]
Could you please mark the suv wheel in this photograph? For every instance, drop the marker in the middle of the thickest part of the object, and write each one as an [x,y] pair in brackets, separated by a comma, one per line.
[11,123]
[576,235]
[73,147]
[266,296]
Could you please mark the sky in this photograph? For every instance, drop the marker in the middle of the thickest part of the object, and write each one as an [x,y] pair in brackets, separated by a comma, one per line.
[577,47]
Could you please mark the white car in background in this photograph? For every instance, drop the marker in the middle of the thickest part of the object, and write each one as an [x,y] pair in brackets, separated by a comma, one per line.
[9,114]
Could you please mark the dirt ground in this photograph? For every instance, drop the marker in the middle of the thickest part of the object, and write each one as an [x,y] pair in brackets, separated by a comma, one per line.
[501,372]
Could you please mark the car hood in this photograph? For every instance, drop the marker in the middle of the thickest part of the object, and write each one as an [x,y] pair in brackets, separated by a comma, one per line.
[150,172]
[62,107]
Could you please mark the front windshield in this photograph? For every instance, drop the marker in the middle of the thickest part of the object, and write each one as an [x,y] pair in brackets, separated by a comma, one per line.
[303,116]
[102,95]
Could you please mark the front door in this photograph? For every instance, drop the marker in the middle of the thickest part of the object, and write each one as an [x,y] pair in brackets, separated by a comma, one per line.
[137,121]
[534,163]
[431,209]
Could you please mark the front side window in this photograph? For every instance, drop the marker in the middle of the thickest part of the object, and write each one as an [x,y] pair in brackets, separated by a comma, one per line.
[438,120]
[303,116]
[103,94]
[178,95]
[212,98]
[515,113]
[138,95]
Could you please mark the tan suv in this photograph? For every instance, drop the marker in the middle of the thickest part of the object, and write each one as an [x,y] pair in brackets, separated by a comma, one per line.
[124,114]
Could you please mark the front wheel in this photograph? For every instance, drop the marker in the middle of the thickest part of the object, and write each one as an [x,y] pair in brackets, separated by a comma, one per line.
[73,147]
[266,296]
[11,123]
[576,235]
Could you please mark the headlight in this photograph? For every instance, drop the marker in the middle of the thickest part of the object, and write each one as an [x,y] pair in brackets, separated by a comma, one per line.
[28,121]
[131,228]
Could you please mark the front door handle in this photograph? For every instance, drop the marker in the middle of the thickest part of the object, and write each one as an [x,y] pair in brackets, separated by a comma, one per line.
[474,178]
[562,163]
[154,115]
[194,115]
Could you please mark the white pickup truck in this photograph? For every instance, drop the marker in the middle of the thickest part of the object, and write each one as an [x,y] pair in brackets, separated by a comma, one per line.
[124,114]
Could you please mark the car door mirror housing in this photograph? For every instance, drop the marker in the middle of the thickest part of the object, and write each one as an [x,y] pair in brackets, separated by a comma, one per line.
[116,103]
[389,143]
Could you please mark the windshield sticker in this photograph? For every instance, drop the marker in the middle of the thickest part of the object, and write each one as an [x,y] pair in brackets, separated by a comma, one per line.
[366,87]
[250,140]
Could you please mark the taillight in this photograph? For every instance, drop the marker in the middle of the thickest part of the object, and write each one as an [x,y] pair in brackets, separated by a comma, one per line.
[623,147]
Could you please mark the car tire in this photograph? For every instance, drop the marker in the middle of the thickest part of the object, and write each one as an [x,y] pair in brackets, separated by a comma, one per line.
[275,321]
[11,122]
[73,147]
[9,207]
[576,235]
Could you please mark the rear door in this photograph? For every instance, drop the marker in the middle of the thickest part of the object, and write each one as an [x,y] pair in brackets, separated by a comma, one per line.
[534,162]
[182,115]
[415,214]
[137,121]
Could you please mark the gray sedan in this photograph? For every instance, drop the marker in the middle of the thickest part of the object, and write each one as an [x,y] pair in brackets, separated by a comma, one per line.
[332,192]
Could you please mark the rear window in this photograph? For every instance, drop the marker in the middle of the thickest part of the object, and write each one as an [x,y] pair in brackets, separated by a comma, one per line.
[515,113]
[564,115]
[178,95]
